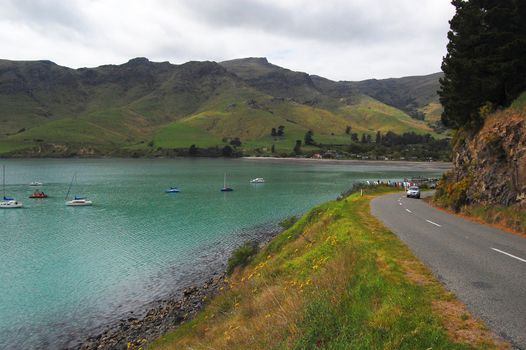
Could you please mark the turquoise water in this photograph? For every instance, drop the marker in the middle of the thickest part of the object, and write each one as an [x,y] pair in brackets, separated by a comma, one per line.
[65,271]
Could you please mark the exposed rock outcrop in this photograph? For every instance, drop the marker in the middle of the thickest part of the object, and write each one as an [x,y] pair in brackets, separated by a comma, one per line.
[492,162]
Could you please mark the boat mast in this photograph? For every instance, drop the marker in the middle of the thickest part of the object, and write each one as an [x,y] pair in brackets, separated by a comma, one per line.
[70,184]
[224,181]
[3,181]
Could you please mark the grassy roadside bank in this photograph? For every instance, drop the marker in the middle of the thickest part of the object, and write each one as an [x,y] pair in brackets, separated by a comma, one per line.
[337,279]
[511,219]
[452,198]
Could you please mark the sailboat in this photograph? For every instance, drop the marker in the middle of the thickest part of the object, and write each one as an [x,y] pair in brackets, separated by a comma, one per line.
[8,202]
[225,188]
[172,189]
[77,201]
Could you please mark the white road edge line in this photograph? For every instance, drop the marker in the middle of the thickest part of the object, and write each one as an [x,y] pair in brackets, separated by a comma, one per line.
[409,211]
[508,254]
[433,223]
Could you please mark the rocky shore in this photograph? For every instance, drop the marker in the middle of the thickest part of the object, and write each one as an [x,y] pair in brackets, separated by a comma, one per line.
[158,320]
[165,315]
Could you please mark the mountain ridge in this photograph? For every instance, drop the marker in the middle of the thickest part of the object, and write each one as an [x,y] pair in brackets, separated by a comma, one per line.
[132,104]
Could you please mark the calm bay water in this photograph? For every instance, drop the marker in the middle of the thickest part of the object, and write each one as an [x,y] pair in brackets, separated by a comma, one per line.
[65,272]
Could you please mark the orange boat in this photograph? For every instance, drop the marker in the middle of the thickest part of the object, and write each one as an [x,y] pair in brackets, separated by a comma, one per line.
[38,194]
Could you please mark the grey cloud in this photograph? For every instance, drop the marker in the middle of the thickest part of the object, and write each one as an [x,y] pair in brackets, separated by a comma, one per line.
[336,21]
[340,39]
[46,15]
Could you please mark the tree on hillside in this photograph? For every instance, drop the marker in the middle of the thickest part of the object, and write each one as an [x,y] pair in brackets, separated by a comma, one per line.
[227,151]
[378,137]
[297,147]
[308,139]
[348,130]
[354,137]
[193,150]
[236,142]
[486,60]
[364,138]
[273,132]
[281,130]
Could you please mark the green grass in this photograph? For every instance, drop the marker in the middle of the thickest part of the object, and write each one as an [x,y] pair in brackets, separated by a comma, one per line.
[72,131]
[181,135]
[512,217]
[116,118]
[10,146]
[520,102]
[228,115]
[432,112]
[371,115]
[337,279]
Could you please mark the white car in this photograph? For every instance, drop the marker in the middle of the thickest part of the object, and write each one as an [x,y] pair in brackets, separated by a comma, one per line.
[413,192]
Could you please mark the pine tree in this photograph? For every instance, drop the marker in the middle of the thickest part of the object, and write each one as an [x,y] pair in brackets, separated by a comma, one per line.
[297,147]
[308,139]
[486,59]
[378,137]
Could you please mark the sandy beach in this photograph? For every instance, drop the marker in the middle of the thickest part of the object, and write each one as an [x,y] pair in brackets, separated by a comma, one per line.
[391,163]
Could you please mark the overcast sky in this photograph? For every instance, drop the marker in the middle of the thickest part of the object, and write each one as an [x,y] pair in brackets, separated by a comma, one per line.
[337,39]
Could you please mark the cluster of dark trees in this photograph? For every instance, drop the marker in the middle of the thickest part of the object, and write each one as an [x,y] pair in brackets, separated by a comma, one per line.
[279,132]
[485,65]
[195,151]
[407,138]
[408,145]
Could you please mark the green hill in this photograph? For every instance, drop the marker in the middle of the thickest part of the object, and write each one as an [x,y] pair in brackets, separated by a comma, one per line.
[144,106]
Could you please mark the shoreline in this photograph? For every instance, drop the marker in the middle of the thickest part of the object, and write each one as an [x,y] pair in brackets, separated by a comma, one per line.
[401,163]
[162,316]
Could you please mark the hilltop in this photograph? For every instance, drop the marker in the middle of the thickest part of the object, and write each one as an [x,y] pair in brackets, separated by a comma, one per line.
[143,107]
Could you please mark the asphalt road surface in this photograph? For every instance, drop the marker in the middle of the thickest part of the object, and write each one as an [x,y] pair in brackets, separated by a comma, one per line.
[483,266]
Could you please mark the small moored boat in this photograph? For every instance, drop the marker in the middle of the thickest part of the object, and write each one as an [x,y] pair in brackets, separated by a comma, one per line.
[8,202]
[38,194]
[225,187]
[77,201]
[36,183]
[257,180]
[173,190]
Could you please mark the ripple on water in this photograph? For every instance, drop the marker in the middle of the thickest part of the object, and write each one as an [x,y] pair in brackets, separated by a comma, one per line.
[66,272]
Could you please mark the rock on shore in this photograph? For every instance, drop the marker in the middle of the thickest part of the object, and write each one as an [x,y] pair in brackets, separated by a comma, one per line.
[158,320]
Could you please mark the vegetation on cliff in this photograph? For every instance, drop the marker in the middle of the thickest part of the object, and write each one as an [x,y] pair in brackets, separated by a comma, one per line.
[336,279]
[484,73]
[485,64]
[488,179]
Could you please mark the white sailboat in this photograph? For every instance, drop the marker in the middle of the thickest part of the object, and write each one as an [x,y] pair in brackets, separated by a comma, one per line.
[8,202]
[225,188]
[77,201]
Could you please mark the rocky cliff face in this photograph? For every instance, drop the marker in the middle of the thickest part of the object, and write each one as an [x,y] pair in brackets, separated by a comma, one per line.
[491,164]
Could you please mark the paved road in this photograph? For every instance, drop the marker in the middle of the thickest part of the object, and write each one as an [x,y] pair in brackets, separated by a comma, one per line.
[484,267]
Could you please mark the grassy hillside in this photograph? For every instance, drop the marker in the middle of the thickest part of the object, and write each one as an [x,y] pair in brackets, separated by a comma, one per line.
[432,112]
[337,279]
[252,119]
[115,108]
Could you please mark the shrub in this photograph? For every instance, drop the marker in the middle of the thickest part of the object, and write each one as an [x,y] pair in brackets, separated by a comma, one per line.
[241,256]
[452,194]
[288,222]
